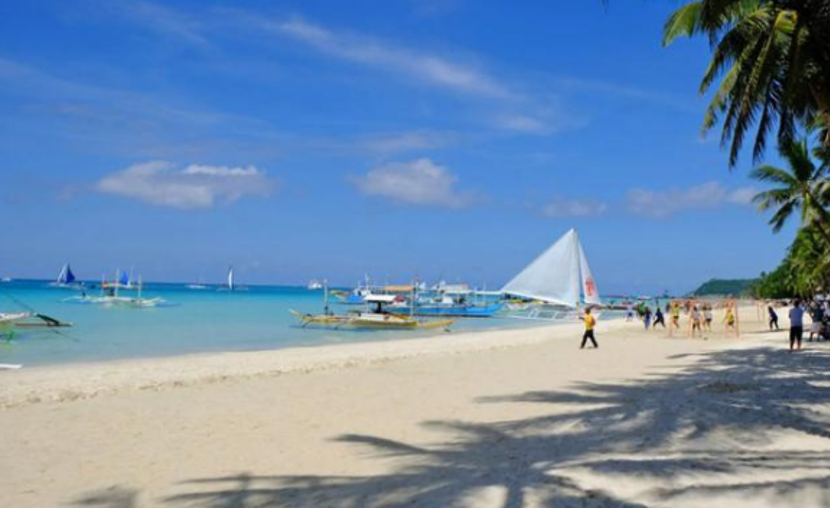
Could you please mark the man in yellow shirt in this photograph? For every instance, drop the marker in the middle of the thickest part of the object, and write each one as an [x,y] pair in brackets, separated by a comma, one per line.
[590,321]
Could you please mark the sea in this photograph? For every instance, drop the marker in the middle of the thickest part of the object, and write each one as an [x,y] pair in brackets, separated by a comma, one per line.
[190,321]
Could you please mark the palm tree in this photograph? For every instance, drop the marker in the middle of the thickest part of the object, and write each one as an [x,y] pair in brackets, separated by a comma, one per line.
[803,186]
[773,61]
[808,262]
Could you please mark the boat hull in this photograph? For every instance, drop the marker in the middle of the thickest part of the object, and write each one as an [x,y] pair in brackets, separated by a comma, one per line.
[368,321]
[480,311]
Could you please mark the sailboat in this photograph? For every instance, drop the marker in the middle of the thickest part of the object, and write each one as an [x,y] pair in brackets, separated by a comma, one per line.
[66,279]
[556,285]
[231,284]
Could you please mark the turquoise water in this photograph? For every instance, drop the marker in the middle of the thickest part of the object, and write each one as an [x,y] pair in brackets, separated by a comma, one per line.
[196,321]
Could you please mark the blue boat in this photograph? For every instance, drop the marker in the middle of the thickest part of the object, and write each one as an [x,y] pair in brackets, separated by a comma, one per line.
[454,310]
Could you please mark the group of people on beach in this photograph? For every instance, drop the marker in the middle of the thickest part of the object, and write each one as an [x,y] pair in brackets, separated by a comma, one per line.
[700,316]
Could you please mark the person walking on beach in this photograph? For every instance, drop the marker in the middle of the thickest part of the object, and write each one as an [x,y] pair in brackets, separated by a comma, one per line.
[773,318]
[675,316]
[629,312]
[647,317]
[817,315]
[695,322]
[707,315]
[730,321]
[796,325]
[590,321]
[658,318]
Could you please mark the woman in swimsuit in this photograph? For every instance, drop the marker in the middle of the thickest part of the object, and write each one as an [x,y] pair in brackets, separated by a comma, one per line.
[707,314]
[730,320]
[695,322]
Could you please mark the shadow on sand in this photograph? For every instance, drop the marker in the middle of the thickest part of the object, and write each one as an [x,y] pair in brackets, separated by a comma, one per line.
[702,435]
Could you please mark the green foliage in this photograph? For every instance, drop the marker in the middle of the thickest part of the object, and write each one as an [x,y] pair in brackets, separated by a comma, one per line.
[803,272]
[803,186]
[773,62]
[723,287]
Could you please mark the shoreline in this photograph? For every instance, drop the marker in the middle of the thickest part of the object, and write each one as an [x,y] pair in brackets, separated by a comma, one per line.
[84,380]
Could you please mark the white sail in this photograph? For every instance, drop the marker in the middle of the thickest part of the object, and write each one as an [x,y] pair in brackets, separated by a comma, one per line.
[62,276]
[560,275]
[590,292]
[553,276]
[230,278]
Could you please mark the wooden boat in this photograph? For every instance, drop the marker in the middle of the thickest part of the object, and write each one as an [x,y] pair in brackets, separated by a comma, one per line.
[10,321]
[376,319]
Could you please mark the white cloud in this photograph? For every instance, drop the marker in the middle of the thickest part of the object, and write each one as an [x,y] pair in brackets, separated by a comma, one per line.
[191,187]
[524,123]
[406,141]
[428,68]
[706,196]
[419,182]
[160,19]
[574,208]
[742,196]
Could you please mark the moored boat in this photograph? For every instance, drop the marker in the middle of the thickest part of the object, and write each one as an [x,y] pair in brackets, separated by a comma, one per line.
[376,318]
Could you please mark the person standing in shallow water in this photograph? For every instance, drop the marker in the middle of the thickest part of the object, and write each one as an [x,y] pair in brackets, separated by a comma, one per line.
[590,322]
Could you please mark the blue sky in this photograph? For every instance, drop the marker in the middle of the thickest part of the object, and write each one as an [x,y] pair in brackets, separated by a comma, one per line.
[323,139]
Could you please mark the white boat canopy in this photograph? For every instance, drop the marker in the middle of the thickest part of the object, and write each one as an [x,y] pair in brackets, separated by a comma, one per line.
[380,298]
[560,275]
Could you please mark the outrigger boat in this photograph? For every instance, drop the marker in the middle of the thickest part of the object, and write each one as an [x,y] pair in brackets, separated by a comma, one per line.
[377,318]
[110,297]
[455,304]
[11,320]
[556,286]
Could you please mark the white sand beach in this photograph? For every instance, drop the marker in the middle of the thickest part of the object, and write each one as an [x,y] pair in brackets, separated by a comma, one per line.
[518,418]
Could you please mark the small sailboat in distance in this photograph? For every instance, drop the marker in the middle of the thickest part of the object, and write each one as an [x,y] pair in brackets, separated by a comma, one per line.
[66,278]
[199,285]
[231,284]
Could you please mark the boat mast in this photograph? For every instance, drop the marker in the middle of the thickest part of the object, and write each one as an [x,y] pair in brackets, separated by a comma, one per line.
[326,297]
